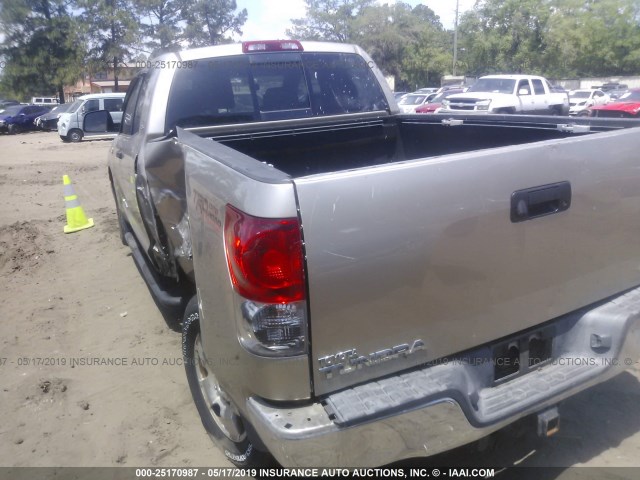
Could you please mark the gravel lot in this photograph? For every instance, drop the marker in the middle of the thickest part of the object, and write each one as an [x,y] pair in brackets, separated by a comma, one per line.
[70,303]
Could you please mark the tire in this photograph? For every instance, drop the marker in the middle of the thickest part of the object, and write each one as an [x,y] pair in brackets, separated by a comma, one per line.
[13,129]
[75,135]
[226,431]
[64,139]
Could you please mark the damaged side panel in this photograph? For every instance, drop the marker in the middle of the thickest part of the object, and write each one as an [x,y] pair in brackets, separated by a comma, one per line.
[161,195]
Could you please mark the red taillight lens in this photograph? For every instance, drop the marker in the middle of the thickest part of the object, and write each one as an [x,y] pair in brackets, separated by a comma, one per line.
[265,257]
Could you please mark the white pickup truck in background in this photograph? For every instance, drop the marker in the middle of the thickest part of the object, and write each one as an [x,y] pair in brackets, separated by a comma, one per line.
[507,94]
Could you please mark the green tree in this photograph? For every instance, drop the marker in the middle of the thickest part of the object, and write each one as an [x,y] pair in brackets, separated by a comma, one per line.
[405,42]
[505,36]
[557,38]
[160,24]
[385,32]
[210,22]
[594,38]
[329,20]
[426,61]
[41,47]
[112,30]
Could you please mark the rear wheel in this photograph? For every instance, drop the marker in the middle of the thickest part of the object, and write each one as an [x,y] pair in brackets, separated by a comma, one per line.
[13,129]
[219,416]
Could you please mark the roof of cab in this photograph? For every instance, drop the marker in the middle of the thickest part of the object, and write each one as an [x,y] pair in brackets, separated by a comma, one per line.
[236,49]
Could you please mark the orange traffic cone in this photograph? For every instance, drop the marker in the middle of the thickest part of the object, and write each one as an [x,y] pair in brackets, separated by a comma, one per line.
[76,219]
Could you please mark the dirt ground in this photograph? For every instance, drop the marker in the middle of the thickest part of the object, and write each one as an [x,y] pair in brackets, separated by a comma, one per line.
[71,302]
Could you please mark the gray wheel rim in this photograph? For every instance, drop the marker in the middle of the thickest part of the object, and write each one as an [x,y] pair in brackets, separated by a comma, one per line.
[220,409]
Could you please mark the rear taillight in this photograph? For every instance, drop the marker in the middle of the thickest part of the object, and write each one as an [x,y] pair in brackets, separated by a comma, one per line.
[264,257]
[266,267]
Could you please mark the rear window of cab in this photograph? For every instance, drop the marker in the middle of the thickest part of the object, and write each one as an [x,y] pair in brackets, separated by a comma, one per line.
[272,86]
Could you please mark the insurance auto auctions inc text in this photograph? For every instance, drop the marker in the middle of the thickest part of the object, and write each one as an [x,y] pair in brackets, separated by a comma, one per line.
[378,472]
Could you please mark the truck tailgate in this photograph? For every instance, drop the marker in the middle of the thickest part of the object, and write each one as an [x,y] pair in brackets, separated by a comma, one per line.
[414,261]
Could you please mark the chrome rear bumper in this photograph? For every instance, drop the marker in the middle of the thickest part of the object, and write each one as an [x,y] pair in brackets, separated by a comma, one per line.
[433,409]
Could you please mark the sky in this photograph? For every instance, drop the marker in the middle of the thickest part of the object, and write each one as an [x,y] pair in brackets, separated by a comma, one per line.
[269,19]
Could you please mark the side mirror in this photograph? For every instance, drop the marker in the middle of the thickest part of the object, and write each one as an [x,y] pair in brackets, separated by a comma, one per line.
[99,122]
[523,91]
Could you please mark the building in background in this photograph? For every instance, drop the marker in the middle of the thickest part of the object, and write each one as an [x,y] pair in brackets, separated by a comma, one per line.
[101,82]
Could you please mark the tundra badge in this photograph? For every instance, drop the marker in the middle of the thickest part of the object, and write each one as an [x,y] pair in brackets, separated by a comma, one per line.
[350,360]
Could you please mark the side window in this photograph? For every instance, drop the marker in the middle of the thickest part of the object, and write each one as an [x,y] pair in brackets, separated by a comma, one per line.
[92,106]
[538,88]
[113,104]
[130,102]
[137,115]
[523,85]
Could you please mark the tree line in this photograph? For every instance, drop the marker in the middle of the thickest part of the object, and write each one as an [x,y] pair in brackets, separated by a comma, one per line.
[554,38]
[49,43]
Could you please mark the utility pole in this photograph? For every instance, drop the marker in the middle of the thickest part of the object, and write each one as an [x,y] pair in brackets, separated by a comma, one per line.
[455,39]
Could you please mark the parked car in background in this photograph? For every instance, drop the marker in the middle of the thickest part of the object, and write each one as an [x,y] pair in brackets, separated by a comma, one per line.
[46,101]
[581,100]
[7,103]
[399,95]
[436,102]
[617,93]
[558,89]
[18,118]
[71,122]
[627,106]
[607,87]
[411,101]
[456,86]
[49,121]
[427,90]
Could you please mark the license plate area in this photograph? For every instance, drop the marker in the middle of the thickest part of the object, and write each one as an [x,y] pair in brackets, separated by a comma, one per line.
[522,354]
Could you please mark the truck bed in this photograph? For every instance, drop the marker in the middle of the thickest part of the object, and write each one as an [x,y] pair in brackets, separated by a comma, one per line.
[364,141]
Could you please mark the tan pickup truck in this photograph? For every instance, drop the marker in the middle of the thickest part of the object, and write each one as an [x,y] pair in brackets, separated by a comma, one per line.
[361,286]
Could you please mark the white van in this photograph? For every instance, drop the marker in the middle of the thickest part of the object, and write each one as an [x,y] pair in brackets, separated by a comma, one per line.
[45,101]
[70,122]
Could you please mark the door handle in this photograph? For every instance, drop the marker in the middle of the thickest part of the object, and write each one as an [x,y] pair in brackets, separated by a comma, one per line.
[540,201]
[119,155]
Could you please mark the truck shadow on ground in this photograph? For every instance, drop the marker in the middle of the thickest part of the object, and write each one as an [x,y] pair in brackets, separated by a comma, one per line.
[591,423]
